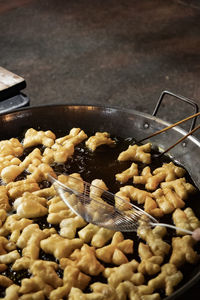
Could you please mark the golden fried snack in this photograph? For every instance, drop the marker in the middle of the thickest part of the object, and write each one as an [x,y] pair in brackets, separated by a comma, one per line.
[21,263]
[180,186]
[72,277]
[153,237]
[171,171]
[97,236]
[11,292]
[9,257]
[4,201]
[100,291]
[167,200]
[129,192]
[152,208]
[58,153]
[58,210]
[97,188]
[16,189]
[72,182]
[8,160]
[150,263]
[68,227]
[46,271]
[84,259]
[182,251]
[32,162]
[34,138]
[8,252]
[3,267]
[30,239]
[128,290]
[167,279]
[185,219]
[3,216]
[44,278]
[59,246]
[46,192]
[6,245]
[75,137]
[124,272]
[150,181]
[35,296]
[63,147]
[137,153]
[5,281]
[30,206]
[115,252]
[9,173]
[11,147]
[100,138]
[41,172]
[127,174]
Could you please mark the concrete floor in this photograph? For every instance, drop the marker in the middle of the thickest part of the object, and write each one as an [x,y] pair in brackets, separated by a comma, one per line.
[111,52]
[115,53]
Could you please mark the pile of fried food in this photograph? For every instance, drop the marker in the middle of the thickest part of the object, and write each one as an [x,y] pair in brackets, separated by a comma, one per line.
[82,253]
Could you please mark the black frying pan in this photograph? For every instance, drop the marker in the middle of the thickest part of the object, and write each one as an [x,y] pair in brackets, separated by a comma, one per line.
[118,122]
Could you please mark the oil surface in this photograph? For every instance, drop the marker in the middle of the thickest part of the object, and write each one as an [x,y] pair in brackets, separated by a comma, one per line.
[103,164]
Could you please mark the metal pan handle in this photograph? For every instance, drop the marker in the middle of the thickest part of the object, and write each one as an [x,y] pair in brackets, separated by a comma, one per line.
[182,98]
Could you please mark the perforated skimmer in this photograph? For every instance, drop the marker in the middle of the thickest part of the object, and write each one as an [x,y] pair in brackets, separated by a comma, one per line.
[103,208]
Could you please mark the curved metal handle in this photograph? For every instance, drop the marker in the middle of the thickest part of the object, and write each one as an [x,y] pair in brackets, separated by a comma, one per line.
[182,98]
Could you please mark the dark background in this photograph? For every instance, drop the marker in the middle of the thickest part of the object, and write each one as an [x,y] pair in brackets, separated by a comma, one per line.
[111,52]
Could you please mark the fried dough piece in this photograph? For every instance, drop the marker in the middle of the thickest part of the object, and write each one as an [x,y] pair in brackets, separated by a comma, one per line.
[5,281]
[167,200]
[30,206]
[180,186]
[75,137]
[58,211]
[137,153]
[124,272]
[97,236]
[127,174]
[68,227]
[100,291]
[30,239]
[171,171]
[11,147]
[84,259]
[59,246]
[3,216]
[12,292]
[72,277]
[4,201]
[100,138]
[167,279]
[182,251]
[150,181]
[128,290]
[34,138]
[185,219]
[129,192]
[153,237]
[16,189]
[115,252]
[150,263]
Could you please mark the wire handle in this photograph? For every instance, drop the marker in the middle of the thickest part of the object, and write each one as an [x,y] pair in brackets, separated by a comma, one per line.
[171,126]
[182,98]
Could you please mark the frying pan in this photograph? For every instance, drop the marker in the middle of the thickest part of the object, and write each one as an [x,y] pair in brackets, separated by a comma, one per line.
[118,122]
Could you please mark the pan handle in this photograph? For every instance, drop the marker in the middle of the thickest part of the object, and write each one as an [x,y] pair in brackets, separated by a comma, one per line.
[182,98]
